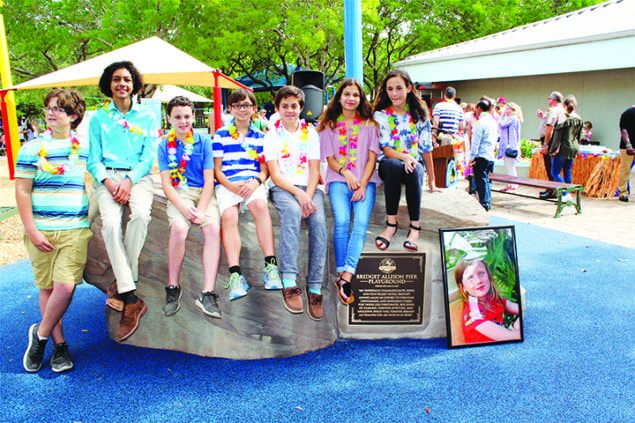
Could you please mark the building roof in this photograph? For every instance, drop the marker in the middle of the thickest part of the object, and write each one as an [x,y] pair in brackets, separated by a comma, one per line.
[593,38]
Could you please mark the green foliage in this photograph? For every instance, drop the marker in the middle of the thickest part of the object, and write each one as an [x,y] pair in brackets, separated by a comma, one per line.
[527,147]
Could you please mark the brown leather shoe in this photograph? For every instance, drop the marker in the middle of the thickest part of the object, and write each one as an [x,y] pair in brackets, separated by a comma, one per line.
[114,300]
[130,319]
[293,299]
[314,304]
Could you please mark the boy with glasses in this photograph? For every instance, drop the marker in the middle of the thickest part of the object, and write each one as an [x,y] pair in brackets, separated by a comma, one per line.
[52,201]
[240,172]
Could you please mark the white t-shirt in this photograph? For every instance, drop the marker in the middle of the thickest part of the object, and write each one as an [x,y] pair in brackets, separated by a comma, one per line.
[293,152]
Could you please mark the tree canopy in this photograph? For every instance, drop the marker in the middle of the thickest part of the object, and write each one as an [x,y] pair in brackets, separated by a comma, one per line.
[263,39]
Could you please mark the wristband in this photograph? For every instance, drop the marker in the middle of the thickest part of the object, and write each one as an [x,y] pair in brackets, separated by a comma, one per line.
[341,168]
[257,178]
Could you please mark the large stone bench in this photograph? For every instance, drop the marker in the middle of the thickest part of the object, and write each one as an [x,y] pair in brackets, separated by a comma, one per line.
[258,326]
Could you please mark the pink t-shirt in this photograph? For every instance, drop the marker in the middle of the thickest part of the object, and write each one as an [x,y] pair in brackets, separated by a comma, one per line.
[367,140]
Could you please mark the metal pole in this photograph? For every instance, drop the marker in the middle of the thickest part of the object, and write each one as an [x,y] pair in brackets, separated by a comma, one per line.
[353,46]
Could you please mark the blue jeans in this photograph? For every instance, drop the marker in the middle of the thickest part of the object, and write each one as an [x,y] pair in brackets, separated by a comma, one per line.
[349,248]
[290,214]
[482,168]
[559,163]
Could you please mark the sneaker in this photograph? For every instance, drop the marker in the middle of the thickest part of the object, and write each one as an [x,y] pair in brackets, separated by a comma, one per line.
[172,300]
[61,360]
[566,197]
[237,286]
[208,303]
[314,304]
[293,299]
[130,319]
[114,300]
[624,198]
[34,354]
[271,277]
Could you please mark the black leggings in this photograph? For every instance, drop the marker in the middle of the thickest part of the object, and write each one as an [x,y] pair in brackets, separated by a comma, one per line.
[393,173]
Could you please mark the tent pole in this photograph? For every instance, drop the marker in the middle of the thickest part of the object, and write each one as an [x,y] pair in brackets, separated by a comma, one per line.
[218,103]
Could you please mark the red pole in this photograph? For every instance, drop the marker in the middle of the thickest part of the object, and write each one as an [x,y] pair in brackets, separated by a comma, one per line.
[7,136]
[218,103]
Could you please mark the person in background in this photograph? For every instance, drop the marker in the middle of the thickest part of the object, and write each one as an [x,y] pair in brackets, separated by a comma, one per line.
[509,147]
[484,139]
[627,137]
[587,133]
[565,144]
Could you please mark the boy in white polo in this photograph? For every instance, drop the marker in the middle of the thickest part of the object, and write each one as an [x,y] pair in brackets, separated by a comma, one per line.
[240,172]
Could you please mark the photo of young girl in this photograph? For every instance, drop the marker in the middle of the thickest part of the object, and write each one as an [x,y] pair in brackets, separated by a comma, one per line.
[483,307]
[482,288]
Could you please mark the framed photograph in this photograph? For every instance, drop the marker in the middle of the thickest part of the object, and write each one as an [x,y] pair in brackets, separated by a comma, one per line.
[482,288]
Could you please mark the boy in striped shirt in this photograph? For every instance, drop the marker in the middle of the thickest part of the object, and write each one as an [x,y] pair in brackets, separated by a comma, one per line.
[240,172]
[52,201]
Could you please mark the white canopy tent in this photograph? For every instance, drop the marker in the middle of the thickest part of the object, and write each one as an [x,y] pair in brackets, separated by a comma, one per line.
[165,93]
[158,61]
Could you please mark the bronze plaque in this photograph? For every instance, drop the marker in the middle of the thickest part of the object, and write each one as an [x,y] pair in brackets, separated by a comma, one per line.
[388,289]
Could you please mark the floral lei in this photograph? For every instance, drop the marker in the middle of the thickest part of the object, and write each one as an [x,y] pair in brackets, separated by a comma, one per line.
[73,156]
[177,169]
[303,148]
[121,121]
[351,142]
[251,152]
[394,132]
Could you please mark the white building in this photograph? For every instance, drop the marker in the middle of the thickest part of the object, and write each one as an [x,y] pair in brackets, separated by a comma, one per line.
[589,53]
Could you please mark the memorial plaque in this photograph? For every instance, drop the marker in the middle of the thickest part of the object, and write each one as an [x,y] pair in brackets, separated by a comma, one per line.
[388,289]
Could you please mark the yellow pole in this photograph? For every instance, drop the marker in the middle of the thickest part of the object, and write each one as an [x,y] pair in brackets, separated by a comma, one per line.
[9,117]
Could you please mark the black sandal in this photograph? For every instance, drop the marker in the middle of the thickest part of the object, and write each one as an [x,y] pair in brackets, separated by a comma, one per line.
[346,288]
[409,245]
[384,240]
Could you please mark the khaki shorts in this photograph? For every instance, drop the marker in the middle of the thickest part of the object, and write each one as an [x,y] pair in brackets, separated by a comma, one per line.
[191,198]
[66,263]
[227,199]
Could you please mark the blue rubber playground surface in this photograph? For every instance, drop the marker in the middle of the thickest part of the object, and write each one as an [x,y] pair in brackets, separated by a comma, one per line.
[576,364]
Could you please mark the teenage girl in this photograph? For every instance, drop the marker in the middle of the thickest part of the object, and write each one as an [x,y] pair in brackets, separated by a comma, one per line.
[349,141]
[405,142]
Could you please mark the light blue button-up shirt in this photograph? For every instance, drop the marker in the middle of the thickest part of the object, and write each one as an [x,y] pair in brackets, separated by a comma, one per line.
[122,142]
[484,137]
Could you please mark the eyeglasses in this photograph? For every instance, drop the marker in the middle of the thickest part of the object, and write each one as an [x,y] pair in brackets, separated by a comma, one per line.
[243,106]
[54,110]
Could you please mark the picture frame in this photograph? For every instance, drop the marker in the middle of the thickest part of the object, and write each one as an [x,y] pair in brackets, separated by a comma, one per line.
[485,306]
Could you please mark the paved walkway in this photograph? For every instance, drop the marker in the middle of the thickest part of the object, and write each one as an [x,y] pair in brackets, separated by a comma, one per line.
[607,220]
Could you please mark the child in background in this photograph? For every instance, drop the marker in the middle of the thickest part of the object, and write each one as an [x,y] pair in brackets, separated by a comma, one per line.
[587,133]
[186,163]
[52,201]
[292,152]
[241,171]
[483,307]
[349,140]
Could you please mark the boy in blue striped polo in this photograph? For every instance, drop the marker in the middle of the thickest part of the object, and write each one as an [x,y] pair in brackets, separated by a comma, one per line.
[52,201]
[240,172]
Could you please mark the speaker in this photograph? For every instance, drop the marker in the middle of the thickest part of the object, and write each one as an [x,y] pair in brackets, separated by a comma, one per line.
[312,85]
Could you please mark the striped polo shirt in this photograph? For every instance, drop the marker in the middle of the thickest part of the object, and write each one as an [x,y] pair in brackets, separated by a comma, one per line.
[238,163]
[59,202]
[450,114]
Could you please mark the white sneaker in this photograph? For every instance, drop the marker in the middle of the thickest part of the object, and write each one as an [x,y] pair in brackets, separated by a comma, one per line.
[566,197]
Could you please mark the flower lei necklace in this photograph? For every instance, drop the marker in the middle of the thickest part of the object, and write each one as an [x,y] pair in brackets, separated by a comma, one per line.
[251,152]
[73,156]
[121,121]
[394,133]
[303,148]
[351,142]
[177,169]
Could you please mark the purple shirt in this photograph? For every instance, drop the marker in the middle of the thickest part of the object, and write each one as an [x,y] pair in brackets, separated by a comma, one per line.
[367,140]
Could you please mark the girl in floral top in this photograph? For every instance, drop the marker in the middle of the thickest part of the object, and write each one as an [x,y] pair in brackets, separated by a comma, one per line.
[349,141]
[405,142]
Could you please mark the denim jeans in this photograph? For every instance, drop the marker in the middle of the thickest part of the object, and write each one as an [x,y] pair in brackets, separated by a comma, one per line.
[393,173]
[290,214]
[348,248]
[559,163]
[482,168]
